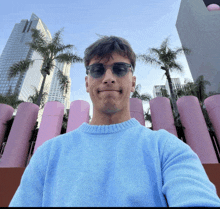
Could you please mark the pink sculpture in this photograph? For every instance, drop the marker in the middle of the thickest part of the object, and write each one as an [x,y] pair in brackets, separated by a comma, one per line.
[213,7]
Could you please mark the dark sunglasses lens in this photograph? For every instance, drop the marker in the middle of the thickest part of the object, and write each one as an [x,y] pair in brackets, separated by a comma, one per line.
[97,70]
[120,69]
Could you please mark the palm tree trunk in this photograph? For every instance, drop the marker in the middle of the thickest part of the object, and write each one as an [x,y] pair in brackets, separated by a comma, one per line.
[41,89]
[173,99]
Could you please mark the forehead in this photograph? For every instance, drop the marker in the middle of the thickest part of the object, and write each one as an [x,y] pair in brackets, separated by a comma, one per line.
[110,59]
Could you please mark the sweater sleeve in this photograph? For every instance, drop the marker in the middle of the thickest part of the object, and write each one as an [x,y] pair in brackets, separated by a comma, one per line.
[185,182]
[30,190]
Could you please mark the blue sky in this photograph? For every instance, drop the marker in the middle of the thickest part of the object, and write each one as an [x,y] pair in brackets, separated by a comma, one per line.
[144,23]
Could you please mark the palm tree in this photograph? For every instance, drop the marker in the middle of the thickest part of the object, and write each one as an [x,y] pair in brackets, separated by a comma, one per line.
[166,57]
[34,98]
[196,89]
[10,99]
[145,98]
[50,51]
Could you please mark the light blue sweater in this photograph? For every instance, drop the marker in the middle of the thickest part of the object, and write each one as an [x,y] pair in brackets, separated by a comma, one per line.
[123,164]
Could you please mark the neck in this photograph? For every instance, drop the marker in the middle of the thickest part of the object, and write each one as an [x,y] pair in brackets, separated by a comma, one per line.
[98,119]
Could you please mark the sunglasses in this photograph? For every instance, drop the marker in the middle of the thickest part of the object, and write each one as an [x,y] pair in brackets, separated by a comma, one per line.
[97,70]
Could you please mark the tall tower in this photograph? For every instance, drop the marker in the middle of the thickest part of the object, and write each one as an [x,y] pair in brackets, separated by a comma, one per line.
[199,30]
[15,50]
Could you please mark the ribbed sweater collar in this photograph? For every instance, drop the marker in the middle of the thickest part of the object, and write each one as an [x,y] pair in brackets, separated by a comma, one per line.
[107,129]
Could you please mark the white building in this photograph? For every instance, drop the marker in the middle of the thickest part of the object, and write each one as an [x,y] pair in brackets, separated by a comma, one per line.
[175,83]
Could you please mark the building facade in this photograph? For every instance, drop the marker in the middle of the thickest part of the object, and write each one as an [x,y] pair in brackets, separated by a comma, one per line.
[24,84]
[16,50]
[199,30]
[175,83]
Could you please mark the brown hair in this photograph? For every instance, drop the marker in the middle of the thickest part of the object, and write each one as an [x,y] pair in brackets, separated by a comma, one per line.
[105,46]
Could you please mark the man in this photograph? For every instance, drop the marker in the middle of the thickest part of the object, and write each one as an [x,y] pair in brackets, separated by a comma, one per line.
[109,93]
[114,160]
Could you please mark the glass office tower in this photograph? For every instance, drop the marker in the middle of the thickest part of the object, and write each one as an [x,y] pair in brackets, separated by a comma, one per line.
[15,50]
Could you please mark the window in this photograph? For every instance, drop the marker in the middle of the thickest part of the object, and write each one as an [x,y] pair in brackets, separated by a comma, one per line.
[29,26]
[25,26]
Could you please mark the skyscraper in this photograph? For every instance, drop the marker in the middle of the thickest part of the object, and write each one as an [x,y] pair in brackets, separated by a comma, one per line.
[199,30]
[16,50]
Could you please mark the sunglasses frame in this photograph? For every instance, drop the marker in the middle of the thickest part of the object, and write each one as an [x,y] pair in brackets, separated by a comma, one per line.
[88,68]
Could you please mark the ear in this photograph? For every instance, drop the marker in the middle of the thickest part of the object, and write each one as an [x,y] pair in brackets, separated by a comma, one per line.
[87,83]
[133,83]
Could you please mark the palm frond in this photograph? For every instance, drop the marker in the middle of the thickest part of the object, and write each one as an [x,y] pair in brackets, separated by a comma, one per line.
[155,51]
[57,39]
[61,48]
[19,67]
[63,81]
[177,66]
[42,50]
[165,43]
[69,58]
[39,42]
[148,59]
[38,37]
[180,50]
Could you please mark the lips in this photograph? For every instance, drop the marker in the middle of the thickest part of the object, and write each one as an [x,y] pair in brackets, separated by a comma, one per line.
[120,91]
[110,90]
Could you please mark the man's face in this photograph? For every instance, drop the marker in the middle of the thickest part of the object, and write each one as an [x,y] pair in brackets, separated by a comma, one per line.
[108,103]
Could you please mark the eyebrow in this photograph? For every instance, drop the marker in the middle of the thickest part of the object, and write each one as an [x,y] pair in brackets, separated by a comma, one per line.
[112,64]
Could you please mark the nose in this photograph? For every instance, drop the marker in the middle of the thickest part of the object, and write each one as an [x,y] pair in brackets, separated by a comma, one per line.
[109,77]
